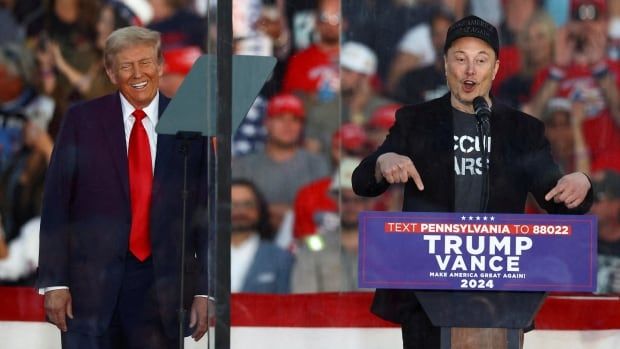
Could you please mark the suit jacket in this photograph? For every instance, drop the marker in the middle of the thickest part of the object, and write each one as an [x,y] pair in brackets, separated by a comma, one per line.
[270,271]
[520,162]
[86,216]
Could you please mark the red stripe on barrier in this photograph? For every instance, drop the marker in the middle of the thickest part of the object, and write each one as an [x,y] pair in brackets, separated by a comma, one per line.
[559,312]
[305,310]
[586,312]
[21,304]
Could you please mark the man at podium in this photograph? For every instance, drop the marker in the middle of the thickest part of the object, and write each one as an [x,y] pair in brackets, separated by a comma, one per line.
[464,152]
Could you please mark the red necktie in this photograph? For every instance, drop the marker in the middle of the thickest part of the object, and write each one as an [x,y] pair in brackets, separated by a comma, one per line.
[140,184]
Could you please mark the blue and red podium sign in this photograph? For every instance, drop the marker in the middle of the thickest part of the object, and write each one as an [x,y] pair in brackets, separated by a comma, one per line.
[494,252]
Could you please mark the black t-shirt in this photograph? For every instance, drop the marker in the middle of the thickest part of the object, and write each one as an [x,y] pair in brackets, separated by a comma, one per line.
[468,168]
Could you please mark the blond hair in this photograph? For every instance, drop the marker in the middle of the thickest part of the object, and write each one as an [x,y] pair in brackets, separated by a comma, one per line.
[125,37]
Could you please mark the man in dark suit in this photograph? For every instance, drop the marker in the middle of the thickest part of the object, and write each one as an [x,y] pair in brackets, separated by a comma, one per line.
[437,145]
[111,220]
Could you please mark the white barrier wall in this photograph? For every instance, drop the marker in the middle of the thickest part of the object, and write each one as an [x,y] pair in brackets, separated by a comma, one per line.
[30,335]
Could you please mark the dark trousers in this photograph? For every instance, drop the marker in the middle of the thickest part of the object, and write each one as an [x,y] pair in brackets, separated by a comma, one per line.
[136,323]
[419,332]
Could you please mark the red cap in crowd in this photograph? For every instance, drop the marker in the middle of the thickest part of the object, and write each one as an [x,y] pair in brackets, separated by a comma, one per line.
[384,116]
[285,103]
[351,137]
[180,60]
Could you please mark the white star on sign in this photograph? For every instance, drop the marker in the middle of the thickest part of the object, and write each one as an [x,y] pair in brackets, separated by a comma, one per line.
[484,218]
[478,218]
[463,218]
[492,218]
[471,218]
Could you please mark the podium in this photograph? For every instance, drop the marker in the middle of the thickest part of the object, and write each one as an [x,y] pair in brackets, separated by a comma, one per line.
[473,320]
[481,278]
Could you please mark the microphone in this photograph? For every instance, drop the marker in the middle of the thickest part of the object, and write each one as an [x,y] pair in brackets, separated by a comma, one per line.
[482,110]
[483,115]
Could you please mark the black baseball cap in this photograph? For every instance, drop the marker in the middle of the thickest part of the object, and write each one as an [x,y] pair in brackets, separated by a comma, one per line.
[473,26]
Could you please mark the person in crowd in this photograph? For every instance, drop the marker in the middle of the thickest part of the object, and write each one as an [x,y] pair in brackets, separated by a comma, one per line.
[25,151]
[535,45]
[94,83]
[71,25]
[257,265]
[516,14]
[10,30]
[563,129]
[25,145]
[313,75]
[582,72]
[417,49]
[358,65]
[379,124]
[606,207]
[314,70]
[424,151]
[427,82]
[26,21]
[385,28]
[314,205]
[177,64]
[179,26]
[20,257]
[327,261]
[284,165]
[109,255]
[272,23]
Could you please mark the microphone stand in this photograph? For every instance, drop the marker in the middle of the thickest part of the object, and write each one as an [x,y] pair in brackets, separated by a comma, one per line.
[186,137]
[484,130]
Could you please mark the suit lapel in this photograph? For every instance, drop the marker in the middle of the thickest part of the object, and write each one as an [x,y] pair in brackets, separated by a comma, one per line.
[498,149]
[253,270]
[114,129]
[165,150]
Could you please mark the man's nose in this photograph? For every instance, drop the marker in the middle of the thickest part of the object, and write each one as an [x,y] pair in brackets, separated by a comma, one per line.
[137,71]
[470,69]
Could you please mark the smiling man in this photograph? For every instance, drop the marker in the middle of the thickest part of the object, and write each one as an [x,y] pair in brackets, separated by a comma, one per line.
[109,246]
[435,148]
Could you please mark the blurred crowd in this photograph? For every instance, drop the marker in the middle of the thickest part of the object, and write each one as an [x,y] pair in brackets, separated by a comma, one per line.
[343,69]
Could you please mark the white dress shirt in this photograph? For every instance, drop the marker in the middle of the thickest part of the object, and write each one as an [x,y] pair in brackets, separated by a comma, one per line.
[241,258]
[149,122]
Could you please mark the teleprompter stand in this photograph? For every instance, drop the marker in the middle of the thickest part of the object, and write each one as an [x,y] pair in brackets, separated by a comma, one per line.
[191,115]
[483,319]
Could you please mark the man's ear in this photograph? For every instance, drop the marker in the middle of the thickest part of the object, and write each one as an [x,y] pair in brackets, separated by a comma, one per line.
[111,75]
[496,69]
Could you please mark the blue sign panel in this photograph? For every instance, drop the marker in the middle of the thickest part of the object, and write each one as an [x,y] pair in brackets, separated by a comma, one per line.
[494,252]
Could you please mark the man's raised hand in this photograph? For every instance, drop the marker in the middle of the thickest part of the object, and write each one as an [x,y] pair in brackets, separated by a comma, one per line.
[397,168]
